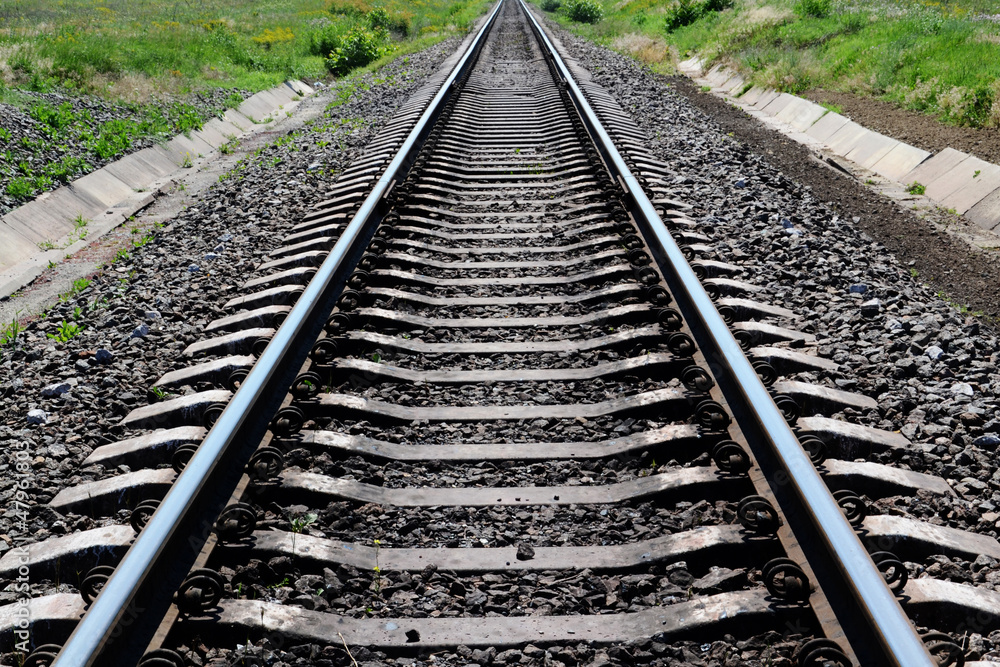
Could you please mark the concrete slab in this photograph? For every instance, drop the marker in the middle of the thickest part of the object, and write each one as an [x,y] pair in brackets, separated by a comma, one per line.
[227,129]
[776,105]
[274,101]
[283,94]
[15,247]
[986,213]
[187,149]
[234,117]
[136,172]
[172,153]
[900,160]
[737,87]
[935,167]
[299,87]
[156,160]
[826,126]
[691,66]
[50,216]
[873,148]
[801,114]
[752,95]
[766,98]
[256,108]
[847,137]
[713,75]
[102,186]
[132,172]
[977,178]
[210,136]
[731,80]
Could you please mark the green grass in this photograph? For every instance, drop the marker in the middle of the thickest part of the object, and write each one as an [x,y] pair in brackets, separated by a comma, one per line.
[927,55]
[134,50]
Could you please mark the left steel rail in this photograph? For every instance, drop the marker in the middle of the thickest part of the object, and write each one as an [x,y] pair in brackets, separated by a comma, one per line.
[122,620]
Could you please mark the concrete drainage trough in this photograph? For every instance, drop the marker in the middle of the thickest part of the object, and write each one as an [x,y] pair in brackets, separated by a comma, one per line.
[953,179]
[41,231]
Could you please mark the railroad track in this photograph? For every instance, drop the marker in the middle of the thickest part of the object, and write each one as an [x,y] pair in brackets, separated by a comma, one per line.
[497,400]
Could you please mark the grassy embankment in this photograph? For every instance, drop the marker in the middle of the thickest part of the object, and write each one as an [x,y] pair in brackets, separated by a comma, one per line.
[942,58]
[138,51]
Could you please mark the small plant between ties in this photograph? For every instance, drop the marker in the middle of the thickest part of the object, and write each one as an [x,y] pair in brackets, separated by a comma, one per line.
[377,582]
[67,331]
[299,523]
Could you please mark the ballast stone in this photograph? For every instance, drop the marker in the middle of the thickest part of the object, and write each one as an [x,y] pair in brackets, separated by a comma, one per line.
[37,416]
[871,308]
[56,389]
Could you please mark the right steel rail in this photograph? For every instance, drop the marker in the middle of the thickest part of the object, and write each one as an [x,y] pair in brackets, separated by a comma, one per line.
[877,627]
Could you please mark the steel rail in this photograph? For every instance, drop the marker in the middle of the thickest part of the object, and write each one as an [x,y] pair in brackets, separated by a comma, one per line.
[121,621]
[885,635]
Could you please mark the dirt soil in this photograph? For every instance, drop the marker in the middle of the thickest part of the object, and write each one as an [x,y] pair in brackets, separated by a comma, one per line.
[968,276]
[915,128]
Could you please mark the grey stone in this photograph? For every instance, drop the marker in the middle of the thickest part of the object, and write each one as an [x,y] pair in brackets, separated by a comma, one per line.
[104,356]
[962,389]
[37,416]
[988,441]
[934,352]
[871,308]
[56,389]
[140,331]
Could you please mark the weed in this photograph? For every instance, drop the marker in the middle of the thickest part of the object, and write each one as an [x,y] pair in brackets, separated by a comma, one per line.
[584,11]
[551,5]
[360,46]
[377,582]
[301,521]
[52,264]
[67,331]
[914,273]
[916,188]
[706,89]
[813,8]
[158,393]
[46,245]
[10,332]
[230,146]
[976,175]
[143,240]
[186,162]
